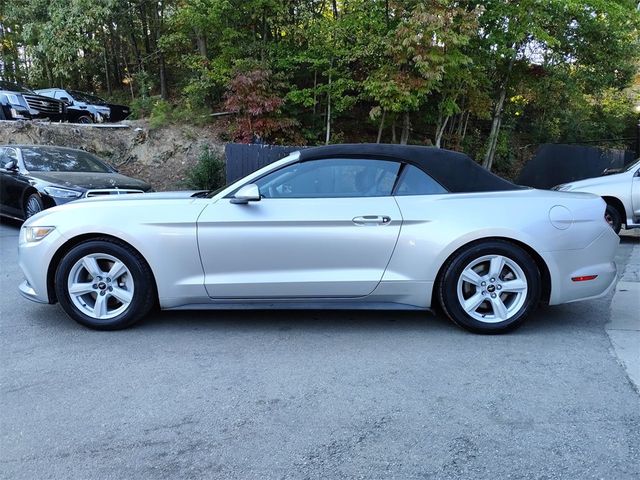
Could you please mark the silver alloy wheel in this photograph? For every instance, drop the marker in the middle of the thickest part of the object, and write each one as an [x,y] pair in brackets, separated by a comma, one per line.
[492,288]
[100,286]
[33,206]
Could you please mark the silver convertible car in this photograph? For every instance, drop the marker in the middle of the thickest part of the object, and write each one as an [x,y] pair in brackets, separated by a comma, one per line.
[344,226]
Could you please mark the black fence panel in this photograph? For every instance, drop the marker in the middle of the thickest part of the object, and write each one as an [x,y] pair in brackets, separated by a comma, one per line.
[555,164]
[243,159]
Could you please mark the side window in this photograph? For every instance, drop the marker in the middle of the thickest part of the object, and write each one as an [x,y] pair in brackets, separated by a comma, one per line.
[331,178]
[6,155]
[414,181]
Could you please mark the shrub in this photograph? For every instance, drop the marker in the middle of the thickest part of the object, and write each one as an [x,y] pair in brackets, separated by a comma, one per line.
[208,173]
[160,114]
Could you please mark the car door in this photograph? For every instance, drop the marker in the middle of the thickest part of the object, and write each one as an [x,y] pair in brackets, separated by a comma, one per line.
[12,185]
[323,228]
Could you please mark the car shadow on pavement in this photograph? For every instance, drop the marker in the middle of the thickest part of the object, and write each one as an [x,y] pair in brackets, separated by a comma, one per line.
[284,320]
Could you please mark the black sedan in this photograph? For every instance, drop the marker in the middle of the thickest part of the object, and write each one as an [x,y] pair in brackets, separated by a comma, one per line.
[33,178]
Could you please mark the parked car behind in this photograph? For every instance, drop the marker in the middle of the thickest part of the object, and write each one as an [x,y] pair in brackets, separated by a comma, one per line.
[118,112]
[621,191]
[33,178]
[79,109]
[19,103]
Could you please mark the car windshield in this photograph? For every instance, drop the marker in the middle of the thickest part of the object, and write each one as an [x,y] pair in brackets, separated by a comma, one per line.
[87,98]
[631,166]
[62,160]
[13,87]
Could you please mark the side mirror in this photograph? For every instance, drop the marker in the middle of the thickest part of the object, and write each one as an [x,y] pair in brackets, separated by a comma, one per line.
[248,193]
[11,165]
[66,100]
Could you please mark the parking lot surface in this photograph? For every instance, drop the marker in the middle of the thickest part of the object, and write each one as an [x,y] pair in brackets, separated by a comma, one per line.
[249,395]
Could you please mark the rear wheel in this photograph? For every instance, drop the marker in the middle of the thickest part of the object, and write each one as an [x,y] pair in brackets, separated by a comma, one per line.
[104,284]
[490,287]
[33,205]
[613,217]
[84,119]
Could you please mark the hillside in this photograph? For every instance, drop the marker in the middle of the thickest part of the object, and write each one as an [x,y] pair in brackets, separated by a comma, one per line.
[161,156]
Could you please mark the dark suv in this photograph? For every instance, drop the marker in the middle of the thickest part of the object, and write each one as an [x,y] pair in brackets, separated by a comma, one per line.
[79,109]
[20,103]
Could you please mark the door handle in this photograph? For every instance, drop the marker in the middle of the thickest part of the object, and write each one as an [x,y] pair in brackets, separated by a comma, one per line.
[372,220]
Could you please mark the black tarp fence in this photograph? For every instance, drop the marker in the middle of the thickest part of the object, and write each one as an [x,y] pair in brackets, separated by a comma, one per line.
[551,165]
[554,164]
[243,159]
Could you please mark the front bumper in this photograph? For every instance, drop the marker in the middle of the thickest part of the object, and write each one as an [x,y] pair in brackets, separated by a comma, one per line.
[27,291]
[34,259]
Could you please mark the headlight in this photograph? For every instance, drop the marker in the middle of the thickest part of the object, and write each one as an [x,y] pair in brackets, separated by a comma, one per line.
[35,234]
[13,99]
[62,192]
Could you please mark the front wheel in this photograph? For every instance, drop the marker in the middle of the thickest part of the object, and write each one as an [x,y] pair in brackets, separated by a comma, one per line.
[490,287]
[32,205]
[104,284]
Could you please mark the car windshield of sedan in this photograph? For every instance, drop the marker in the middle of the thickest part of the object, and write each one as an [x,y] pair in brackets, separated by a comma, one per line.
[87,98]
[62,160]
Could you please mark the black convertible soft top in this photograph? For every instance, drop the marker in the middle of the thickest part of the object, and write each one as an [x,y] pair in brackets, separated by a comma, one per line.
[453,170]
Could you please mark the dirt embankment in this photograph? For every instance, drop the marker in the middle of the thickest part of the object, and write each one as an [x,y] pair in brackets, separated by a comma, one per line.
[161,156]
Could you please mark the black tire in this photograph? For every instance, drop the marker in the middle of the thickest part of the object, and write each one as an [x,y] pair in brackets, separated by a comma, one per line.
[522,303]
[32,205]
[613,217]
[139,278]
[84,119]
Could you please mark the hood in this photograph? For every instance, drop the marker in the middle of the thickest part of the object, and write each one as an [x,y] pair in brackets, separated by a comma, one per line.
[590,182]
[177,195]
[90,180]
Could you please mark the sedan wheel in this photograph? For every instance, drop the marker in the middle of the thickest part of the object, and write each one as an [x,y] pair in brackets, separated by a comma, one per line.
[490,287]
[104,284]
[32,206]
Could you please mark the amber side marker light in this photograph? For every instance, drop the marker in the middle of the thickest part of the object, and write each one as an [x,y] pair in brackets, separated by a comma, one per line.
[584,278]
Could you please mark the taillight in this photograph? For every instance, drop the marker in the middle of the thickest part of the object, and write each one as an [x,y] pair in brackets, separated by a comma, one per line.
[584,278]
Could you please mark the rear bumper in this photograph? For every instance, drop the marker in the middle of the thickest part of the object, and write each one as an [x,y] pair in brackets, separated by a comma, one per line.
[595,259]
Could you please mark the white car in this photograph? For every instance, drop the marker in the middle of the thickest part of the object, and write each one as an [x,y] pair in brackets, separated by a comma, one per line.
[343,226]
[621,191]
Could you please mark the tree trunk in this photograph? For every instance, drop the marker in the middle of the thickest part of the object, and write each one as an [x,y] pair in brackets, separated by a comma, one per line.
[394,137]
[496,120]
[442,125]
[328,133]
[381,127]
[164,91]
[464,130]
[315,86]
[406,126]
[495,130]
[107,70]
[145,28]
[201,42]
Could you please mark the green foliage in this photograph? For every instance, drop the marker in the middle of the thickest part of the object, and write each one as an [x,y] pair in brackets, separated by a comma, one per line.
[160,113]
[563,67]
[208,173]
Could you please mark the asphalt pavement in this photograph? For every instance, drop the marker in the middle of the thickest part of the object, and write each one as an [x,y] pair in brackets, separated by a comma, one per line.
[297,395]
